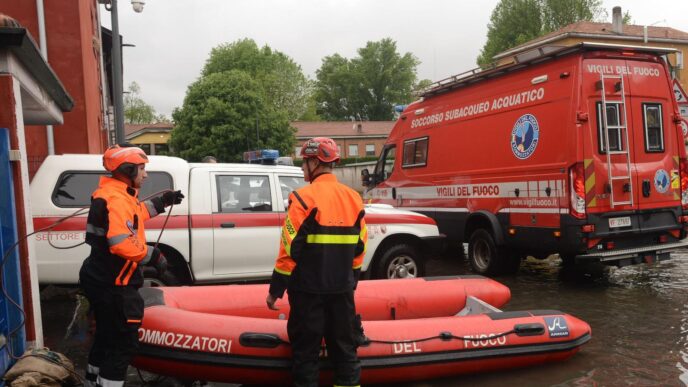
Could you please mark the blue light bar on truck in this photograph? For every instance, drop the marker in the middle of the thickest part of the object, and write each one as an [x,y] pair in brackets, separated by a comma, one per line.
[263,156]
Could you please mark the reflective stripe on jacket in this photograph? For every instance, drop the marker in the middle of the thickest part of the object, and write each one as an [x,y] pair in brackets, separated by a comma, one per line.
[323,239]
[116,234]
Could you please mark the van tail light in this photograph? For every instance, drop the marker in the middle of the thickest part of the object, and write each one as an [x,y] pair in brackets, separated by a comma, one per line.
[577,183]
[683,167]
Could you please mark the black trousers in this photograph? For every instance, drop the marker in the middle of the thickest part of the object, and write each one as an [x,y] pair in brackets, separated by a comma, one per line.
[312,317]
[118,312]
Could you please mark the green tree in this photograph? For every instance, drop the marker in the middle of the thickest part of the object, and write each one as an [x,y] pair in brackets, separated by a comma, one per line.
[281,81]
[224,114]
[367,86]
[514,22]
[136,110]
[560,13]
[421,86]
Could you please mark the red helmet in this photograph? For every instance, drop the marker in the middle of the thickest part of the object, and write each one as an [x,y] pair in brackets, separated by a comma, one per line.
[322,148]
[117,155]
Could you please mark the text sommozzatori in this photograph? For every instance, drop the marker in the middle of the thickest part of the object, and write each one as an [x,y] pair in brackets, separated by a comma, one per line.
[180,340]
[481,107]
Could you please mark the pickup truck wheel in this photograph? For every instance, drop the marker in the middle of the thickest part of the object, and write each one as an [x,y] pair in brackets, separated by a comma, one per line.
[152,279]
[485,256]
[399,261]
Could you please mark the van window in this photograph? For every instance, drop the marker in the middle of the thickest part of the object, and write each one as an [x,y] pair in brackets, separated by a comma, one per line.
[652,123]
[74,188]
[238,194]
[613,122]
[415,152]
[385,164]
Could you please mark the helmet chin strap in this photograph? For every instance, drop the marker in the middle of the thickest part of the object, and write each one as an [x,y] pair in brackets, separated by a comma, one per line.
[127,176]
[311,175]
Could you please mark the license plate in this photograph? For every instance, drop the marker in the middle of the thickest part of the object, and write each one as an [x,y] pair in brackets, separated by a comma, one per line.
[623,221]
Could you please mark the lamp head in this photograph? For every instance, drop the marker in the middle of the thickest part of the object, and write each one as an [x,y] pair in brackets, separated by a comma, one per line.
[138,5]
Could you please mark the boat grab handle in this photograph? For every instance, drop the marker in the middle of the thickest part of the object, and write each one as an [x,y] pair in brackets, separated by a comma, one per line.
[260,340]
[532,329]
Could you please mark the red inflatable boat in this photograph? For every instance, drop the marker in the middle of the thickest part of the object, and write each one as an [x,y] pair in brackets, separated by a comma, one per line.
[416,329]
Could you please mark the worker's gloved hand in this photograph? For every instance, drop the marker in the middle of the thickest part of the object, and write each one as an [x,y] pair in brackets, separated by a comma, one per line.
[270,300]
[172,197]
[158,261]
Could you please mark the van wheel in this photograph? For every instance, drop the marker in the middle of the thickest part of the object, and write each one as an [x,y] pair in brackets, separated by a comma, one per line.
[399,261]
[487,258]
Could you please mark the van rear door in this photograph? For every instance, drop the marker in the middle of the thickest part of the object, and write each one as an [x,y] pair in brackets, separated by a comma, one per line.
[638,171]
[655,144]
[610,150]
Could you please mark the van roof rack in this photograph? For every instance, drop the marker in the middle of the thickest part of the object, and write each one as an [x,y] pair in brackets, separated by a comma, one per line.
[522,60]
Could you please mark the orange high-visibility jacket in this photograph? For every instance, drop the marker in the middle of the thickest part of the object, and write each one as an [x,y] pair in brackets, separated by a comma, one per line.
[116,233]
[323,239]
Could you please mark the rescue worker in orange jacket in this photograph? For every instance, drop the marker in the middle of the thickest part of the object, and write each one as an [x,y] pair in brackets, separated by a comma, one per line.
[320,257]
[111,275]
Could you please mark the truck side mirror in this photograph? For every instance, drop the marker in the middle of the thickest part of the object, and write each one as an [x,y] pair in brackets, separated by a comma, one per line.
[365,177]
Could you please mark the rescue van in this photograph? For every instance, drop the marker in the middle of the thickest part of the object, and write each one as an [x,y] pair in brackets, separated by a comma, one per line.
[571,150]
[226,229]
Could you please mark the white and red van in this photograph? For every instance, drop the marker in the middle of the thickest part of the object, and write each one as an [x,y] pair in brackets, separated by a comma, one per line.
[226,229]
[571,150]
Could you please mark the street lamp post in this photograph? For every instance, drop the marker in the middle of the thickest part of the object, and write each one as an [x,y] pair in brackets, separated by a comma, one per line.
[117,83]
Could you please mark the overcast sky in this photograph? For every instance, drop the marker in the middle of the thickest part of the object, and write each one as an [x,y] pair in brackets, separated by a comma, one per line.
[174,37]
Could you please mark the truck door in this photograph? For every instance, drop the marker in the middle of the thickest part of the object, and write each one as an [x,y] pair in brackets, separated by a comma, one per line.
[630,103]
[245,224]
[611,183]
[655,142]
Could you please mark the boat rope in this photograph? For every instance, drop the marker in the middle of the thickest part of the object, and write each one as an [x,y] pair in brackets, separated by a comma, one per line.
[444,336]
[269,340]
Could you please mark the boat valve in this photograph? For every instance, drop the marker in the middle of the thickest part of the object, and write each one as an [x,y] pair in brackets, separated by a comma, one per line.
[532,329]
[446,336]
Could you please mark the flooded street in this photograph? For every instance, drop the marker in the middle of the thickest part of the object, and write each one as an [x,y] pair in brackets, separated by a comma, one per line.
[638,315]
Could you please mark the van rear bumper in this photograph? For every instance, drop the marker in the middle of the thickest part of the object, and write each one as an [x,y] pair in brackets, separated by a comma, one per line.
[631,256]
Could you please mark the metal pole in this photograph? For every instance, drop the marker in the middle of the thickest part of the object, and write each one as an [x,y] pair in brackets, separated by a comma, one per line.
[43,41]
[117,75]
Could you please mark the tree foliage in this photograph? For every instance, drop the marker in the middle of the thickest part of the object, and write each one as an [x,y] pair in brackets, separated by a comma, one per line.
[136,110]
[514,22]
[224,114]
[281,80]
[368,86]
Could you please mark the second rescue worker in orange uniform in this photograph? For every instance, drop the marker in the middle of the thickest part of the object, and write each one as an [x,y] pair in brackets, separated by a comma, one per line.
[323,244]
[111,275]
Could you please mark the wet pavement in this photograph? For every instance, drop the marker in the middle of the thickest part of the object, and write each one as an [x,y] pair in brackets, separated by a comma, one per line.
[638,315]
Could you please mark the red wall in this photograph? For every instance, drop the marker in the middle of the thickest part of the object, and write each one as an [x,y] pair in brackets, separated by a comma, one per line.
[8,119]
[74,54]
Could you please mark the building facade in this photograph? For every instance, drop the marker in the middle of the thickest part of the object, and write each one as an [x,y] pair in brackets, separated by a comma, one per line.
[152,138]
[75,52]
[614,33]
[355,140]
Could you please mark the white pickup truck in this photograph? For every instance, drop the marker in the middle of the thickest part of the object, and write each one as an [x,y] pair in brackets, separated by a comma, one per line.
[227,229]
